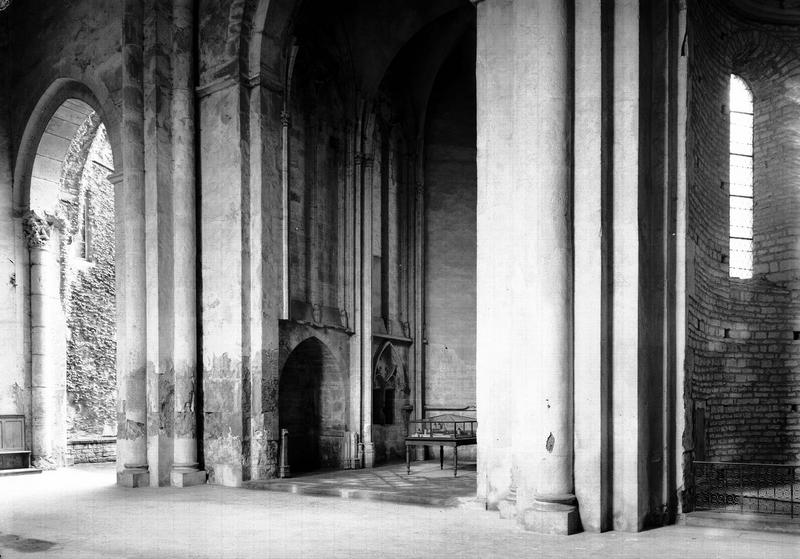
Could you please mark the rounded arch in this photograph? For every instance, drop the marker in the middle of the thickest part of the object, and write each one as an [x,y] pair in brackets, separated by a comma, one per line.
[263,47]
[313,406]
[78,98]
[754,56]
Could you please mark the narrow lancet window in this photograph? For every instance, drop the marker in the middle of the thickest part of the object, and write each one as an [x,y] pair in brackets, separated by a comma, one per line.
[741,179]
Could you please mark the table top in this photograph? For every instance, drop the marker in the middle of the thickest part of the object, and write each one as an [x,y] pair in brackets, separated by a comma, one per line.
[442,440]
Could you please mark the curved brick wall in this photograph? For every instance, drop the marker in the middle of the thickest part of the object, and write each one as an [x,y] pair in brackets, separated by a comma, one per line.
[743,364]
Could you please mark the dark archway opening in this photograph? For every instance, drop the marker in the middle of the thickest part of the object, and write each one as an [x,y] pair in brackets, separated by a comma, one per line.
[312,407]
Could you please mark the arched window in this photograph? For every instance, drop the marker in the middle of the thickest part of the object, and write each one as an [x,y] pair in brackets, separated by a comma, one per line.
[741,179]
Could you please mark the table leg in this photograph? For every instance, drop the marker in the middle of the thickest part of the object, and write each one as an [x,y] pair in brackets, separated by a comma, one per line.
[441,458]
[408,460]
[455,461]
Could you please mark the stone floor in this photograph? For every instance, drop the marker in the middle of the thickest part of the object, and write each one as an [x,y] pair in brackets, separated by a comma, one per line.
[79,513]
[427,484]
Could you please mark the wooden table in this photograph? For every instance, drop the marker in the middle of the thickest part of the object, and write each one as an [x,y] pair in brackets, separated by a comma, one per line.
[442,442]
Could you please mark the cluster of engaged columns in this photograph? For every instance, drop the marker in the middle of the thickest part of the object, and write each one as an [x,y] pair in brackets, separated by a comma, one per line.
[156,251]
[559,256]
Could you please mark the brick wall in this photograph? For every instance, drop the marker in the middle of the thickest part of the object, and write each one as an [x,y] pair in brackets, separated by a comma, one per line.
[743,372]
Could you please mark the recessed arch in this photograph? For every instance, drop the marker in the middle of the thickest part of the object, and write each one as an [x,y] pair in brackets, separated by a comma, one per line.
[312,406]
[39,128]
[62,191]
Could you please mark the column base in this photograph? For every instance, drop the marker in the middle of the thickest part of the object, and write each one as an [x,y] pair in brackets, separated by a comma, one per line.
[369,455]
[508,506]
[186,478]
[133,478]
[547,517]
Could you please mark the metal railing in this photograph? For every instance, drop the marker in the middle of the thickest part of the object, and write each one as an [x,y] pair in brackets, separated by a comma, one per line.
[747,488]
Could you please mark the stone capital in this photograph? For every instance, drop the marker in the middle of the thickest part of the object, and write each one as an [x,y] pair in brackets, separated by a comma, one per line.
[38,227]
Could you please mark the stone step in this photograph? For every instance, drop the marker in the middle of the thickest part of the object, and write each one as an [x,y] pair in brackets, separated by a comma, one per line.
[735,521]
[20,471]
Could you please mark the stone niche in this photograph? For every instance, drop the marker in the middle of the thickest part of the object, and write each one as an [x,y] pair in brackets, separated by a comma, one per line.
[314,395]
[391,399]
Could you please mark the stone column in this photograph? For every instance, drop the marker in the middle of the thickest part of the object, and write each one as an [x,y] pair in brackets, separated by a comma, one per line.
[131,297]
[680,247]
[418,275]
[285,122]
[366,311]
[629,437]
[591,183]
[48,350]
[541,267]
[185,469]
[494,67]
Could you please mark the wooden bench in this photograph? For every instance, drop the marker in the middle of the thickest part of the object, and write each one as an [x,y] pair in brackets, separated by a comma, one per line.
[15,459]
[13,455]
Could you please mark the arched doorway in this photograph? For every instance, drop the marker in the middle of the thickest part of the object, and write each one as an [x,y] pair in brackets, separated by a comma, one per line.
[312,407]
[67,207]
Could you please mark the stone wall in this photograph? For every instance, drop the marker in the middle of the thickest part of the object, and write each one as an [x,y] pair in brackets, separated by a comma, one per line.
[88,286]
[743,371]
[316,173]
[89,451]
[451,234]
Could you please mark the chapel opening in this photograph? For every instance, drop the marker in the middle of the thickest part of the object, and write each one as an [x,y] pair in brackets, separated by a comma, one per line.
[71,241]
[312,407]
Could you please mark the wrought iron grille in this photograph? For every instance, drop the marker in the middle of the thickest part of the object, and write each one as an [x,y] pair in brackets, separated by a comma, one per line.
[738,487]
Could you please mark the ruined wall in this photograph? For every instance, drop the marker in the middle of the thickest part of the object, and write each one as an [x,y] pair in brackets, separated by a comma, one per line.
[88,293]
[743,371]
[450,234]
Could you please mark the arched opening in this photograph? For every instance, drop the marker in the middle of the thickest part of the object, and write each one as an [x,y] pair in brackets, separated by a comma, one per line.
[69,225]
[380,203]
[312,407]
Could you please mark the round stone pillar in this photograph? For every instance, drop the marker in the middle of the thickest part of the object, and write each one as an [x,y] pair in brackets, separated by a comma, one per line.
[48,344]
[132,470]
[366,161]
[185,470]
[542,271]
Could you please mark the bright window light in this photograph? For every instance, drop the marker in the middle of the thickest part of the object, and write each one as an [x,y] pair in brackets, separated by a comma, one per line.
[741,179]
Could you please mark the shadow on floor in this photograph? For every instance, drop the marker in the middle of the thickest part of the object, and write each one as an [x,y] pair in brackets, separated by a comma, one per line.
[426,485]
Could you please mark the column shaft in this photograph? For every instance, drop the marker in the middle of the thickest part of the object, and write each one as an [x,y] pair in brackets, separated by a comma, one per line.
[184,466]
[542,273]
[591,371]
[131,355]
[366,312]
[629,470]
[48,347]
[496,245]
